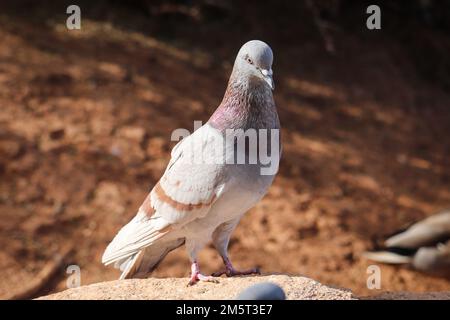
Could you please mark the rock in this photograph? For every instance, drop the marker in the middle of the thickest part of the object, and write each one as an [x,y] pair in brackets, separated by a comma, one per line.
[295,288]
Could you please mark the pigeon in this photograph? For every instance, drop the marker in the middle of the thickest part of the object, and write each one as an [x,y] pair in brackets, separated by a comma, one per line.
[205,189]
[425,246]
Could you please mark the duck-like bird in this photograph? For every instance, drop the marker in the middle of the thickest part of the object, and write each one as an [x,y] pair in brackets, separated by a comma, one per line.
[204,191]
[425,246]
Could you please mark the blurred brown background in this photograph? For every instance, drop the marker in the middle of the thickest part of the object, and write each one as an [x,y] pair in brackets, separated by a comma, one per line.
[86,118]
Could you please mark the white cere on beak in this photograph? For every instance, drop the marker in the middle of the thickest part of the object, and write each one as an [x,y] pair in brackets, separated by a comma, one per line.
[268,77]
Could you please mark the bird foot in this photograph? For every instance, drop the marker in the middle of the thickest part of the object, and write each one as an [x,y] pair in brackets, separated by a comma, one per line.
[196,277]
[231,272]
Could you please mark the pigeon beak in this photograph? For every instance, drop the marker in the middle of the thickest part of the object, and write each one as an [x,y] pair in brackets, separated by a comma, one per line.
[267,75]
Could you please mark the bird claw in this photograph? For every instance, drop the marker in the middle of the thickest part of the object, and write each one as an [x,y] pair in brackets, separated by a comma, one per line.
[200,277]
[231,272]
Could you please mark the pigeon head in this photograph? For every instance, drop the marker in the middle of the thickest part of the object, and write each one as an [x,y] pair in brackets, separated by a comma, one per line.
[248,100]
[254,62]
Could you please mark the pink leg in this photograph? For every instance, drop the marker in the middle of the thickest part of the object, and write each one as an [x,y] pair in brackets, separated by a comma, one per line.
[196,276]
[230,271]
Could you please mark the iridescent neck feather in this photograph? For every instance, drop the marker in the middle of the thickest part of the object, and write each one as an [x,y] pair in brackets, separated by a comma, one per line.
[247,103]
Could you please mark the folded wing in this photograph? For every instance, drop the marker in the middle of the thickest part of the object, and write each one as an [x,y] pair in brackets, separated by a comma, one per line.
[186,191]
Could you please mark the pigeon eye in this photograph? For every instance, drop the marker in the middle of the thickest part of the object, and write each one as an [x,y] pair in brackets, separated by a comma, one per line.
[249,60]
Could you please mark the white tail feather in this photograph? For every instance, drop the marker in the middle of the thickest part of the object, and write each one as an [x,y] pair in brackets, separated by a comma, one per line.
[387,257]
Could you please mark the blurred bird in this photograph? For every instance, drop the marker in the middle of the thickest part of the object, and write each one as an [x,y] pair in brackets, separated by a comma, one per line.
[196,201]
[425,246]
[262,291]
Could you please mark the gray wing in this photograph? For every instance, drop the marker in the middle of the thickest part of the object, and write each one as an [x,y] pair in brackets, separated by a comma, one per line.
[185,192]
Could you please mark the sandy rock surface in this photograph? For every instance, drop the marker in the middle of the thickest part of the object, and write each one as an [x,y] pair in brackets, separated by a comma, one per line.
[295,287]
[444,295]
